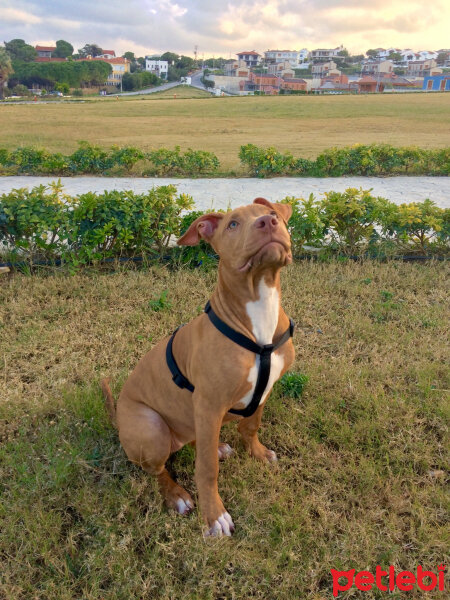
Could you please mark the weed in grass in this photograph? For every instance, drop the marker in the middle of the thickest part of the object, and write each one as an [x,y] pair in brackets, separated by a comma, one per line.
[161,303]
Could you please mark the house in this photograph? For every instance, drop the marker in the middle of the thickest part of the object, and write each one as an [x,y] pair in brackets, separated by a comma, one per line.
[375,67]
[157,66]
[293,57]
[421,68]
[251,59]
[108,54]
[325,54]
[370,85]
[236,68]
[293,84]
[336,78]
[119,66]
[269,84]
[321,69]
[436,83]
[281,69]
[45,51]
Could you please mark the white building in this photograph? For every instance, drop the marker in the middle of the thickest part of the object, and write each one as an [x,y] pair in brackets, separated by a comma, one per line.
[293,57]
[156,66]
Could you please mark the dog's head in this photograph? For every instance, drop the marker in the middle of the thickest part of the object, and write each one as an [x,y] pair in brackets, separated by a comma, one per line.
[248,238]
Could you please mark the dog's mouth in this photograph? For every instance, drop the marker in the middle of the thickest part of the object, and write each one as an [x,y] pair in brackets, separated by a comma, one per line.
[266,254]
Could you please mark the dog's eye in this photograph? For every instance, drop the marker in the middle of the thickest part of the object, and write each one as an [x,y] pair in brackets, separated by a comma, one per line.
[232,224]
[274,214]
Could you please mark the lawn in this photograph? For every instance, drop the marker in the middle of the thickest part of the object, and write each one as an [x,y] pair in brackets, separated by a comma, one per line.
[303,125]
[361,475]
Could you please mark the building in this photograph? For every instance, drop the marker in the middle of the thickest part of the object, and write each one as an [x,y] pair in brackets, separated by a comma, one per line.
[294,57]
[376,67]
[108,54]
[321,69]
[119,66]
[421,68]
[293,84]
[45,51]
[282,69]
[157,66]
[252,59]
[325,54]
[236,68]
[436,83]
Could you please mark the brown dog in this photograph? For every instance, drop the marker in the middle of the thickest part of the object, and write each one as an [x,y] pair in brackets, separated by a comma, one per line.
[156,417]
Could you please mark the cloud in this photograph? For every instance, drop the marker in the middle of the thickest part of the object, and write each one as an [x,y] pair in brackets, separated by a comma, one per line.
[229,26]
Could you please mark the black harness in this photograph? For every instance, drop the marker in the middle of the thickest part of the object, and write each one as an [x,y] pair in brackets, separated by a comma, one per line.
[264,352]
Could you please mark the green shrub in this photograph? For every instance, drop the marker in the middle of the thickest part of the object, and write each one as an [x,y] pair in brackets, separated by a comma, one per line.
[307,224]
[199,161]
[55,164]
[127,156]
[266,161]
[90,159]
[116,224]
[417,226]
[350,218]
[77,93]
[4,157]
[28,159]
[32,222]
[192,162]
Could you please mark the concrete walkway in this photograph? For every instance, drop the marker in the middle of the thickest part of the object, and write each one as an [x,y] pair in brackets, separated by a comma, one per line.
[221,193]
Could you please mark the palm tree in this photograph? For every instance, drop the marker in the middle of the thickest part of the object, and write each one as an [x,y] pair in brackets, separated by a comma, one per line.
[5,69]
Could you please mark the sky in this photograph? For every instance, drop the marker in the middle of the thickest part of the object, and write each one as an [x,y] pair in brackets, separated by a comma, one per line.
[223,28]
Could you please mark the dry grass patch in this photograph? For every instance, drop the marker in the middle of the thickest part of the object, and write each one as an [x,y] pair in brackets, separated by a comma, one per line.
[361,475]
[303,125]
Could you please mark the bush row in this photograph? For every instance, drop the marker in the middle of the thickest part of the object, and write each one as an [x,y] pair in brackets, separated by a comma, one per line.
[373,159]
[89,158]
[44,224]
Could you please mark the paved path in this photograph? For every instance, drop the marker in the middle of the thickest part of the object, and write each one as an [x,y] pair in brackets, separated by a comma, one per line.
[221,193]
[159,88]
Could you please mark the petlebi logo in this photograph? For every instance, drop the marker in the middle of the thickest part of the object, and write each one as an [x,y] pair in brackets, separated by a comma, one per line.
[388,580]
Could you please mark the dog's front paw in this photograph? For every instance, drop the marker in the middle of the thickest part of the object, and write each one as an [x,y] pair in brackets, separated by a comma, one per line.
[260,452]
[224,451]
[222,526]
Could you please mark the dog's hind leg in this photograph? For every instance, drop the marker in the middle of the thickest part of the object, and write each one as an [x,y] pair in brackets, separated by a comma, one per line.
[148,442]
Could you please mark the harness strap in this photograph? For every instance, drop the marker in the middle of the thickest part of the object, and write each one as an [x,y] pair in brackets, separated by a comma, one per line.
[263,351]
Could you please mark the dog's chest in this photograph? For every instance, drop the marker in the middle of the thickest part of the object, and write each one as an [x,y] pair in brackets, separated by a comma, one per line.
[263,314]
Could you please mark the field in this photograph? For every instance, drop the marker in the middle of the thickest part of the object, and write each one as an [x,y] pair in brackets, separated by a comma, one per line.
[303,125]
[361,476]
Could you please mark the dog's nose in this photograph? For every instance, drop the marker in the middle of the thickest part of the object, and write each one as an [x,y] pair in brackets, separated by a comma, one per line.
[266,222]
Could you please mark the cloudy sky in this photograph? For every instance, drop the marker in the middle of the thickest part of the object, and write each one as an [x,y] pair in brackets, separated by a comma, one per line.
[223,27]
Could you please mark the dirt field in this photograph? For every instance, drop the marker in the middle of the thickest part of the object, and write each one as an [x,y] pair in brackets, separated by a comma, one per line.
[303,125]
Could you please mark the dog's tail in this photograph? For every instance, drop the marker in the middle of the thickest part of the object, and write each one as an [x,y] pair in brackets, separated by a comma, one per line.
[109,401]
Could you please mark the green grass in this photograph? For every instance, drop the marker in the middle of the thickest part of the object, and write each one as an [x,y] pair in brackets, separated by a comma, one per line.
[361,476]
[303,125]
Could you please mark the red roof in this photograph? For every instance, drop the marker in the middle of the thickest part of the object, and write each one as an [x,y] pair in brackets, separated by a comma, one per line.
[109,52]
[114,61]
[45,48]
[252,52]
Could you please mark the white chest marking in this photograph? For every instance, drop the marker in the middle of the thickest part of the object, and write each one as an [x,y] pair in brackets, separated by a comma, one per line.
[263,314]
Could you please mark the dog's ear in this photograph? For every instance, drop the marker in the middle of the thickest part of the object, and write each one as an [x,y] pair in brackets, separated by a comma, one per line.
[285,210]
[202,228]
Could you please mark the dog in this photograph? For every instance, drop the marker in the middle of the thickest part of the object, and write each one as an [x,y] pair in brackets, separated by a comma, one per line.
[218,368]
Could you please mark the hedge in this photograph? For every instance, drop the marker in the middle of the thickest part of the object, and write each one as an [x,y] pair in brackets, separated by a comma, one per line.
[44,224]
[373,159]
[89,158]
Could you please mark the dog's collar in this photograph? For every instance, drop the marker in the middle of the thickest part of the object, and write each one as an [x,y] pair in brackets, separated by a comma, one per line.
[264,353]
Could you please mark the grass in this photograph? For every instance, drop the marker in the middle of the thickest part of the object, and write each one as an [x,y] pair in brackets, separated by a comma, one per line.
[361,476]
[303,125]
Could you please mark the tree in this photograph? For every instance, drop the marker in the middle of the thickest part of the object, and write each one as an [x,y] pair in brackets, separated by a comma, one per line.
[395,56]
[442,58]
[90,50]
[171,57]
[5,69]
[372,53]
[129,56]
[19,50]
[63,49]
[344,53]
